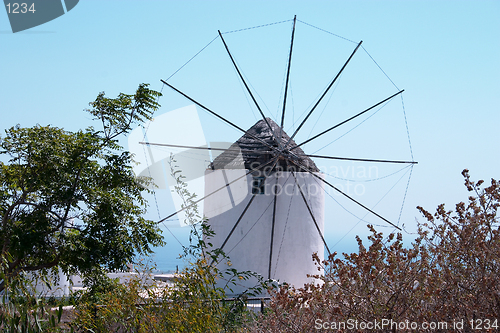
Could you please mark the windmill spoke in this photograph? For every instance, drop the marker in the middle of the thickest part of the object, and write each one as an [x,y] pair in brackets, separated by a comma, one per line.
[203,148]
[220,188]
[272,231]
[287,79]
[346,195]
[360,159]
[246,86]
[347,120]
[179,146]
[220,117]
[311,213]
[324,93]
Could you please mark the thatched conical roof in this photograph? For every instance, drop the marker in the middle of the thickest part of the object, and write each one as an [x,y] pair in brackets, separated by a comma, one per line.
[250,153]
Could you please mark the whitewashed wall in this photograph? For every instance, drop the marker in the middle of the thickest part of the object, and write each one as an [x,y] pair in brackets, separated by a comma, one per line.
[295,235]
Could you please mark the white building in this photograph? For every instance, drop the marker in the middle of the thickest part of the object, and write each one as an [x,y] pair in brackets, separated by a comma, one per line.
[261,219]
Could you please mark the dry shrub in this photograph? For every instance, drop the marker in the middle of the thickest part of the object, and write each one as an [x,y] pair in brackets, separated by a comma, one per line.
[450,274]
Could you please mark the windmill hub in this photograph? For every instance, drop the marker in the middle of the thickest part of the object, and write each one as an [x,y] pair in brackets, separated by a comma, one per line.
[288,155]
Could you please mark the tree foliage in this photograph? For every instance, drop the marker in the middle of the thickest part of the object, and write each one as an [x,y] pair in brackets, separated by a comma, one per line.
[450,274]
[192,303]
[70,199]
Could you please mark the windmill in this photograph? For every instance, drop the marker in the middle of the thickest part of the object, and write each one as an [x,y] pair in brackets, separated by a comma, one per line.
[257,222]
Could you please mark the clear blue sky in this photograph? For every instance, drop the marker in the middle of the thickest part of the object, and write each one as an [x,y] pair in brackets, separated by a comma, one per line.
[445,54]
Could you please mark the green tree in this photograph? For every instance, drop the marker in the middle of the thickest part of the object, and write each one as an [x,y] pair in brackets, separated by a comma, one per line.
[70,200]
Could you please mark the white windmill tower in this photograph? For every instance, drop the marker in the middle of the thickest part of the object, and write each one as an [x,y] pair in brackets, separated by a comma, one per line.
[269,220]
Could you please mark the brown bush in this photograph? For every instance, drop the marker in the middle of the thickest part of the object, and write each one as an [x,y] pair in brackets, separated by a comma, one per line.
[448,279]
